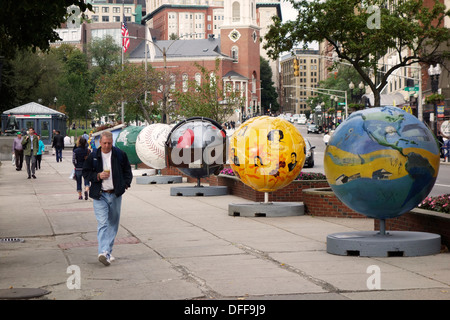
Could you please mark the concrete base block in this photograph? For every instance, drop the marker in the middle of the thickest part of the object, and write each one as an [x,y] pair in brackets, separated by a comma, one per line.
[266,209]
[159,179]
[199,191]
[390,244]
[143,172]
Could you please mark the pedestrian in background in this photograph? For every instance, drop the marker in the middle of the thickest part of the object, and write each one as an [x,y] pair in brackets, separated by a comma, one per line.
[109,173]
[30,144]
[53,135]
[446,150]
[40,152]
[79,155]
[17,150]
[58,144]
[326,138]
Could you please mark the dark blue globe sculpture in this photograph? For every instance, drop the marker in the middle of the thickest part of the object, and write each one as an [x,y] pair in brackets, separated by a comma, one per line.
[197,147]
[382,162]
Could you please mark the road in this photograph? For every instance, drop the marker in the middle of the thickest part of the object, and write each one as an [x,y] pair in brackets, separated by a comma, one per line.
[442,185]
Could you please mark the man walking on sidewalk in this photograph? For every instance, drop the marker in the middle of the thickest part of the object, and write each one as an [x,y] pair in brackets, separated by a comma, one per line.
[30,144]
[58,144]
[17,150]
[109,173]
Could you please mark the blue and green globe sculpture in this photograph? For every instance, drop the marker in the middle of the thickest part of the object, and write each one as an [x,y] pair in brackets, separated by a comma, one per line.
[126,141]
[382,162]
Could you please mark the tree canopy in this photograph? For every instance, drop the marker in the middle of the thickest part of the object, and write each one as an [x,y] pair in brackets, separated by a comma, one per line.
[31,24]
[362,31]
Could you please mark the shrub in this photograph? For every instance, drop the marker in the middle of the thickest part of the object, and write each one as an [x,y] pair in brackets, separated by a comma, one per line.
[311,176]
[439,203]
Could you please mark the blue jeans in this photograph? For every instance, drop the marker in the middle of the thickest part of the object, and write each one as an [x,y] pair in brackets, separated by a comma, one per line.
[58,154]
[107,213]
[79,176]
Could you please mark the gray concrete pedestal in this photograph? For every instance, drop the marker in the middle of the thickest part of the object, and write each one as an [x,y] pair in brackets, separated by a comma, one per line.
[159,179]
[199,191]
[266,209]
[390,244]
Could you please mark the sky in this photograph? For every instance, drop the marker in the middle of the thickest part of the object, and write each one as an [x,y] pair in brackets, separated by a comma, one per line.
[287,12]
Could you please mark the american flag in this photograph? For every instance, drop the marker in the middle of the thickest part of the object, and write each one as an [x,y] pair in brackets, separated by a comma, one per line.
[125,34]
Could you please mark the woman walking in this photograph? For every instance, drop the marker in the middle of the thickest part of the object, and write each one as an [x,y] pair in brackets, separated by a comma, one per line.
[80,154]
[39,153]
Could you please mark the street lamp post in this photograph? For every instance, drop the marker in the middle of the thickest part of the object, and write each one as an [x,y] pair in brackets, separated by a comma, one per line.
[356,97]
[434,72]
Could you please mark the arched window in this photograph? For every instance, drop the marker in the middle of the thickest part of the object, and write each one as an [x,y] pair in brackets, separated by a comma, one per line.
[235,53]
[185,82]
[253,82]
[172,81]
[252,8]
[236,14]
[198,80]
[212,79]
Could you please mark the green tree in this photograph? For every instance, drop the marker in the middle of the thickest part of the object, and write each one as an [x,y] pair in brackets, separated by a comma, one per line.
[129,85]
[31,24]
[104,55]
[361,31]
[208,98]
[269,94]
[30,77]
[74,89]
[337,80]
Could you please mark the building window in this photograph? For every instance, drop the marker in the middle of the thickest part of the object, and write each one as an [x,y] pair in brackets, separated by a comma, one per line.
[198,79]
[253,83]
[105,9]
[235,54]
[236,14]
[172,81]
[185,82]
[105,18]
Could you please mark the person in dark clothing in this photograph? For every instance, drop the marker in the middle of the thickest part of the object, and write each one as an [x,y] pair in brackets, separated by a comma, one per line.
[58,144]
[17,150]
[79,155]
[109,172]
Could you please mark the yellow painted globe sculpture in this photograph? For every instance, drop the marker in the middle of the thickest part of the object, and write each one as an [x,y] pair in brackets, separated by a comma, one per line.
[266,153]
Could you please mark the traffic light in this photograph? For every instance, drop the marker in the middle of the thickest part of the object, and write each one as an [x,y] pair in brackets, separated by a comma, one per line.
[296,68]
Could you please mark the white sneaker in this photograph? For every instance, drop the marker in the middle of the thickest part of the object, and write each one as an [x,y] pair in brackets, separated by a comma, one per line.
[104,258]
[111,258]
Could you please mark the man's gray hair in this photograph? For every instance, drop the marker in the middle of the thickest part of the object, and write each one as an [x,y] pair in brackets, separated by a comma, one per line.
[106,134]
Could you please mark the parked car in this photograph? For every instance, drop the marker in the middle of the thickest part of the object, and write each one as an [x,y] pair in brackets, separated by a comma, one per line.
[309,159]
[301,120]
[313,128]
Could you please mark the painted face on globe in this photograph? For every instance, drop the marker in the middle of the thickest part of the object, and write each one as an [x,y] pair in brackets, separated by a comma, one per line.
[382,162]
[266,153]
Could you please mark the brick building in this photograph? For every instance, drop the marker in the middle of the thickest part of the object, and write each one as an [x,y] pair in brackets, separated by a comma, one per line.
[237,47]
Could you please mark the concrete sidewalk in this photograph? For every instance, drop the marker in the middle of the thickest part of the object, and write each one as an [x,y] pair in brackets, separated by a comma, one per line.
[172,247]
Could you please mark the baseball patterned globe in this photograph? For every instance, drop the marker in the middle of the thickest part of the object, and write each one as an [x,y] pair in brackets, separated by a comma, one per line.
[150,145]
[382,162]
[126,141]
[266,153]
